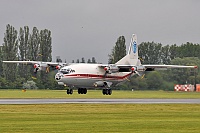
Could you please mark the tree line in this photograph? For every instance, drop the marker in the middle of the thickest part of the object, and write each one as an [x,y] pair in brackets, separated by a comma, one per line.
[24,45]
[93,60]
[156,53]
[36,44]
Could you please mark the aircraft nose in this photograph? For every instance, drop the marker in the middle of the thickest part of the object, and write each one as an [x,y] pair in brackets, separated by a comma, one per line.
[58,76]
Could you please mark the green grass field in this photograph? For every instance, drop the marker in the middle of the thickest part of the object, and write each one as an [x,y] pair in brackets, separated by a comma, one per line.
[87,118]
[96,94]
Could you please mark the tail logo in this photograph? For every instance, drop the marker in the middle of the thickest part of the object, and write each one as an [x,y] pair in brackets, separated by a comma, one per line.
[134,47]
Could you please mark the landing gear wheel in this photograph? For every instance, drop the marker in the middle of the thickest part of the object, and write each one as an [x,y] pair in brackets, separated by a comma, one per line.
[69,91]
[107,91]
[79,90]
[85,91]
[82,91]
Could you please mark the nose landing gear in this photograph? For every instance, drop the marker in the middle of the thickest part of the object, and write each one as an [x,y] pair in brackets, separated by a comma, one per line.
[69,91]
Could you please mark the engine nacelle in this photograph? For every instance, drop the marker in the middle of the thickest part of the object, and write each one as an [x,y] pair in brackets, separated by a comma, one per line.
[36,66]
[58,67]
[138,68]
[111,68]
[100,84]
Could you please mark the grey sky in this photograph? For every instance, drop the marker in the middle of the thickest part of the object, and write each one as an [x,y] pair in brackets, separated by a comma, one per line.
[87,28]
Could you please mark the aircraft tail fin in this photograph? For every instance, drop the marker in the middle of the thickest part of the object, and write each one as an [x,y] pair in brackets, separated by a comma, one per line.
[132,56]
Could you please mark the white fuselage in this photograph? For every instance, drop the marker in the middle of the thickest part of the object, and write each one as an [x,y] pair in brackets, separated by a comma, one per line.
[86,75]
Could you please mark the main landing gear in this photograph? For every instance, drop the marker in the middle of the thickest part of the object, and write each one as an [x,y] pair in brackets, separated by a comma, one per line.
[82,91]
[107,91]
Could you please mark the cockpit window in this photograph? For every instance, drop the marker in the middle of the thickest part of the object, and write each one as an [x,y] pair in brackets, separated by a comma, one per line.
[67,70]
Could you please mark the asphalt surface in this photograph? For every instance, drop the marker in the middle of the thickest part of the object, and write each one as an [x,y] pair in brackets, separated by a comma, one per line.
[100,101]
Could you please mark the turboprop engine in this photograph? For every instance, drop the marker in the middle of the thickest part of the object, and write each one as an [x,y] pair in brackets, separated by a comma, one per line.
[111,68]
[138,68]
[36,68]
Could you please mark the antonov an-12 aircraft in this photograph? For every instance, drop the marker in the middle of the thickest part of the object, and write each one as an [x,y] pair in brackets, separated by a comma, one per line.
[83,75]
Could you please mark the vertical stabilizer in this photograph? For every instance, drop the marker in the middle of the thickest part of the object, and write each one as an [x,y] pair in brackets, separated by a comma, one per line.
[132,56]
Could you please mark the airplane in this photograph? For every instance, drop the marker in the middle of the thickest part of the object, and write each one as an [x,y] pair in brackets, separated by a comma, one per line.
[85,75]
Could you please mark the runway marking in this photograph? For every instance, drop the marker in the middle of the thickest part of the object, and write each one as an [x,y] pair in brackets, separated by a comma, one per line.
[100,101]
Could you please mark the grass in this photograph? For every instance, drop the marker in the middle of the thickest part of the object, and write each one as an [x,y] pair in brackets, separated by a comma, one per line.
[84,118]
[96,94]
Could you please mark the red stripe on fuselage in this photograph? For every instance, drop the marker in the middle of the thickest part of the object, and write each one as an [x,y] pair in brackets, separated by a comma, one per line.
[96,76]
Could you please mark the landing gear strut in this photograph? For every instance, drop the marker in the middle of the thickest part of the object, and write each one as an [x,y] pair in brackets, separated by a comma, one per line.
[70,91]
[107,91]
[82,91]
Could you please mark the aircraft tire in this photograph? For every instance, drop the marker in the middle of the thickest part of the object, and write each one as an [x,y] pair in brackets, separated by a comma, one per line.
[69,91]
[79,90]
[104,91]
[82,91]
[85,91]
[109,91]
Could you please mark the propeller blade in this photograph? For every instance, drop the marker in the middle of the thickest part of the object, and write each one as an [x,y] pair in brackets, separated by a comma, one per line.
[36,70]
[137,73]
[47,69]
[142,76]
[105,74]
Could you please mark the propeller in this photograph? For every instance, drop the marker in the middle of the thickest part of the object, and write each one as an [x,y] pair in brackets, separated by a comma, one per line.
[106,71]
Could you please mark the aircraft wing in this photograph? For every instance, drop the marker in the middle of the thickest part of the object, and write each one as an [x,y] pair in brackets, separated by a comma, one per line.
[36,62]
[145,67]
[164,67]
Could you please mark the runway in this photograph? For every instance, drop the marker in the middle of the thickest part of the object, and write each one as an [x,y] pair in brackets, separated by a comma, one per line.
[100,101]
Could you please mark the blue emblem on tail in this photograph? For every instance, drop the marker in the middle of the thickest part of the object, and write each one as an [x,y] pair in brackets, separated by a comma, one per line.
[134,47]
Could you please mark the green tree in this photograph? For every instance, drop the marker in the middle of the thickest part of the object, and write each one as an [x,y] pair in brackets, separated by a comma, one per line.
[34,45]
[82,60]
[118,52]
[173,52]
[150,52]
[89,61]
[154,80]
[77,61]
[23,51]
[45,52]
[30,85]
[165,55]
[138,83]
[1,58]
[10,49]
[45,45]
[93,60]
[183,75]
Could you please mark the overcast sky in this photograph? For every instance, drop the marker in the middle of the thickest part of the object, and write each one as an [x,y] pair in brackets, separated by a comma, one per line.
[90,28]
